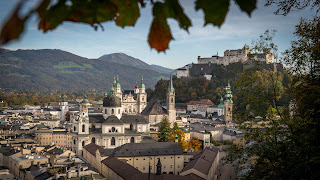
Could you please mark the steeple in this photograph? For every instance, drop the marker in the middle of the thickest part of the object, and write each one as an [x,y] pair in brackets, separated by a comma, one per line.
[228,95]
[142,86]
[170,84]
[117,85]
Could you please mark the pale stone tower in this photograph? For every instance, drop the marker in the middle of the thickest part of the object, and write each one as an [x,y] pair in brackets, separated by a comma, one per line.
[142,97]
[81,127]
[228,104]
[171,102]
[64,108]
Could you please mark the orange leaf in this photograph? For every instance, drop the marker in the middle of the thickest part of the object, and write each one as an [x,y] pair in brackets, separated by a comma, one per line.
[159,35]
[13,27]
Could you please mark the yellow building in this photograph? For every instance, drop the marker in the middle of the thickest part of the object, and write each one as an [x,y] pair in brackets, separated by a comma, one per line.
[141,155]
[57,136]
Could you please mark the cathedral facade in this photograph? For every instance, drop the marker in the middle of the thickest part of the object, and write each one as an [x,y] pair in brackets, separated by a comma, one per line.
[120,120]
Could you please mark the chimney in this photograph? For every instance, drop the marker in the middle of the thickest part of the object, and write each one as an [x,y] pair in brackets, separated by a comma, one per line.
[158,167]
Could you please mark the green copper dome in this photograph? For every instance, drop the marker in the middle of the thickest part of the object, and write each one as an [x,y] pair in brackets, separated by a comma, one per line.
[85,102]
[221,105]
[117,85]
[142,84]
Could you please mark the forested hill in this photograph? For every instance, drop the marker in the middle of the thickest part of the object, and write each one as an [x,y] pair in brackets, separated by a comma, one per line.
[131,61]
[49,70]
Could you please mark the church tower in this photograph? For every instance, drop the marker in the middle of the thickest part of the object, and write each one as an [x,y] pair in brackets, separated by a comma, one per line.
[117,88]
[81,127]
[171,109]
[221,107]
[228,104]
[64,108]
[142,97]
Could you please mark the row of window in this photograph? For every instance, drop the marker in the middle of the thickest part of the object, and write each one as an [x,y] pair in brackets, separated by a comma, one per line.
[113,141]
[164,167]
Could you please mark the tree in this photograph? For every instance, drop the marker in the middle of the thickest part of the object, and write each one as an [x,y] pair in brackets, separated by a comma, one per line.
[164,130]
[175,126]
[124,13]
[194,144]
[181,138]
[282,142]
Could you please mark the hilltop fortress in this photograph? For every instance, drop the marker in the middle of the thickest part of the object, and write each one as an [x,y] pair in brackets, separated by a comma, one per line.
[206,65]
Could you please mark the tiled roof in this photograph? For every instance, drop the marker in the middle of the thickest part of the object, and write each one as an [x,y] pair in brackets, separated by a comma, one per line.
[91,148]
[202,161]
[112,120]
[122,169]
[202,101]
[133,119]
[154,108]
[96,118]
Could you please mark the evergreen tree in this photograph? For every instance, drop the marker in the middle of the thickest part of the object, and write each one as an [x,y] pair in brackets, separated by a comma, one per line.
[164,130]
[175,126]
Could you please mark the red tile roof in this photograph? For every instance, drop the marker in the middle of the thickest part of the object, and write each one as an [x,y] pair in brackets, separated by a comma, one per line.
[202,101]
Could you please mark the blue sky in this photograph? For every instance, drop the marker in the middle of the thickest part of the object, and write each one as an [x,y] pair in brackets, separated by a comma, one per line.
[237,30]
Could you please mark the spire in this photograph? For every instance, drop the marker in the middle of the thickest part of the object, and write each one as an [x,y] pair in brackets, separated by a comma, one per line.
[217,53]
[117,84]
[142,84]
[228,95]
[170,84]
[221,105]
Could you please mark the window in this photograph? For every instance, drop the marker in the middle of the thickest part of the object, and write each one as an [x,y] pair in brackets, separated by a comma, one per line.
[113,129]
[93,140]
[178,166]
[74,141]
[171,166]
[132,140]
[113,141]
[83,128]
[150,168]
[164,167]
[144,168]
[74,128]
[118,111]
[131,126]
[112,111]
[172,99]
[106,111]
[83,143]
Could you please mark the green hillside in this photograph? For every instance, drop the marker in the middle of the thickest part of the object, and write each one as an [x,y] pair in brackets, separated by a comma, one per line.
[50,70]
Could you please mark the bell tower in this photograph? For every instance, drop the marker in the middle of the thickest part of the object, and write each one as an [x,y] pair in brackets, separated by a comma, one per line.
[171,109]
[228,104]
[142,97]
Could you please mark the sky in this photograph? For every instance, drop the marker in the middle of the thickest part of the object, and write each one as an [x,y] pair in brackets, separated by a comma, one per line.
[237,30]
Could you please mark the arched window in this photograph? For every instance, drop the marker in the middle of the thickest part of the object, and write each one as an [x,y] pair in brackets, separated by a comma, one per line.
[112,111]
[105,111]
[132,140]
[113,141]
[131,126]
[113,129]
[74,141]
[172,99]
[83,128]
[93,140]
[83,143]
[118,111]
[74,128]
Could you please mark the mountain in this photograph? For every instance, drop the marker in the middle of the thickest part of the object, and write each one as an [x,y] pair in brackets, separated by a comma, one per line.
[52,69]
[122,58]
[161,69]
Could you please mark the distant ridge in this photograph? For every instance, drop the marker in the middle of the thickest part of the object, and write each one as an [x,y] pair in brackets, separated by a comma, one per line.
[53,69]
[125,59]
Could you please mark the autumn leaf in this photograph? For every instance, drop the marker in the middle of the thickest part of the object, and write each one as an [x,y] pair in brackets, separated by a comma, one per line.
[13,27]
[159,35]
[247,5]
[214,11]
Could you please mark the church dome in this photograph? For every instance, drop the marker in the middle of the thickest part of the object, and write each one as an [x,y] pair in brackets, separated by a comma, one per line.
[111,101]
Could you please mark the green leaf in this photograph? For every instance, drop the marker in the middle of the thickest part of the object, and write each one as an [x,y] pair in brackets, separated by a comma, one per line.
[128,12]
[214,11]
[247,5]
